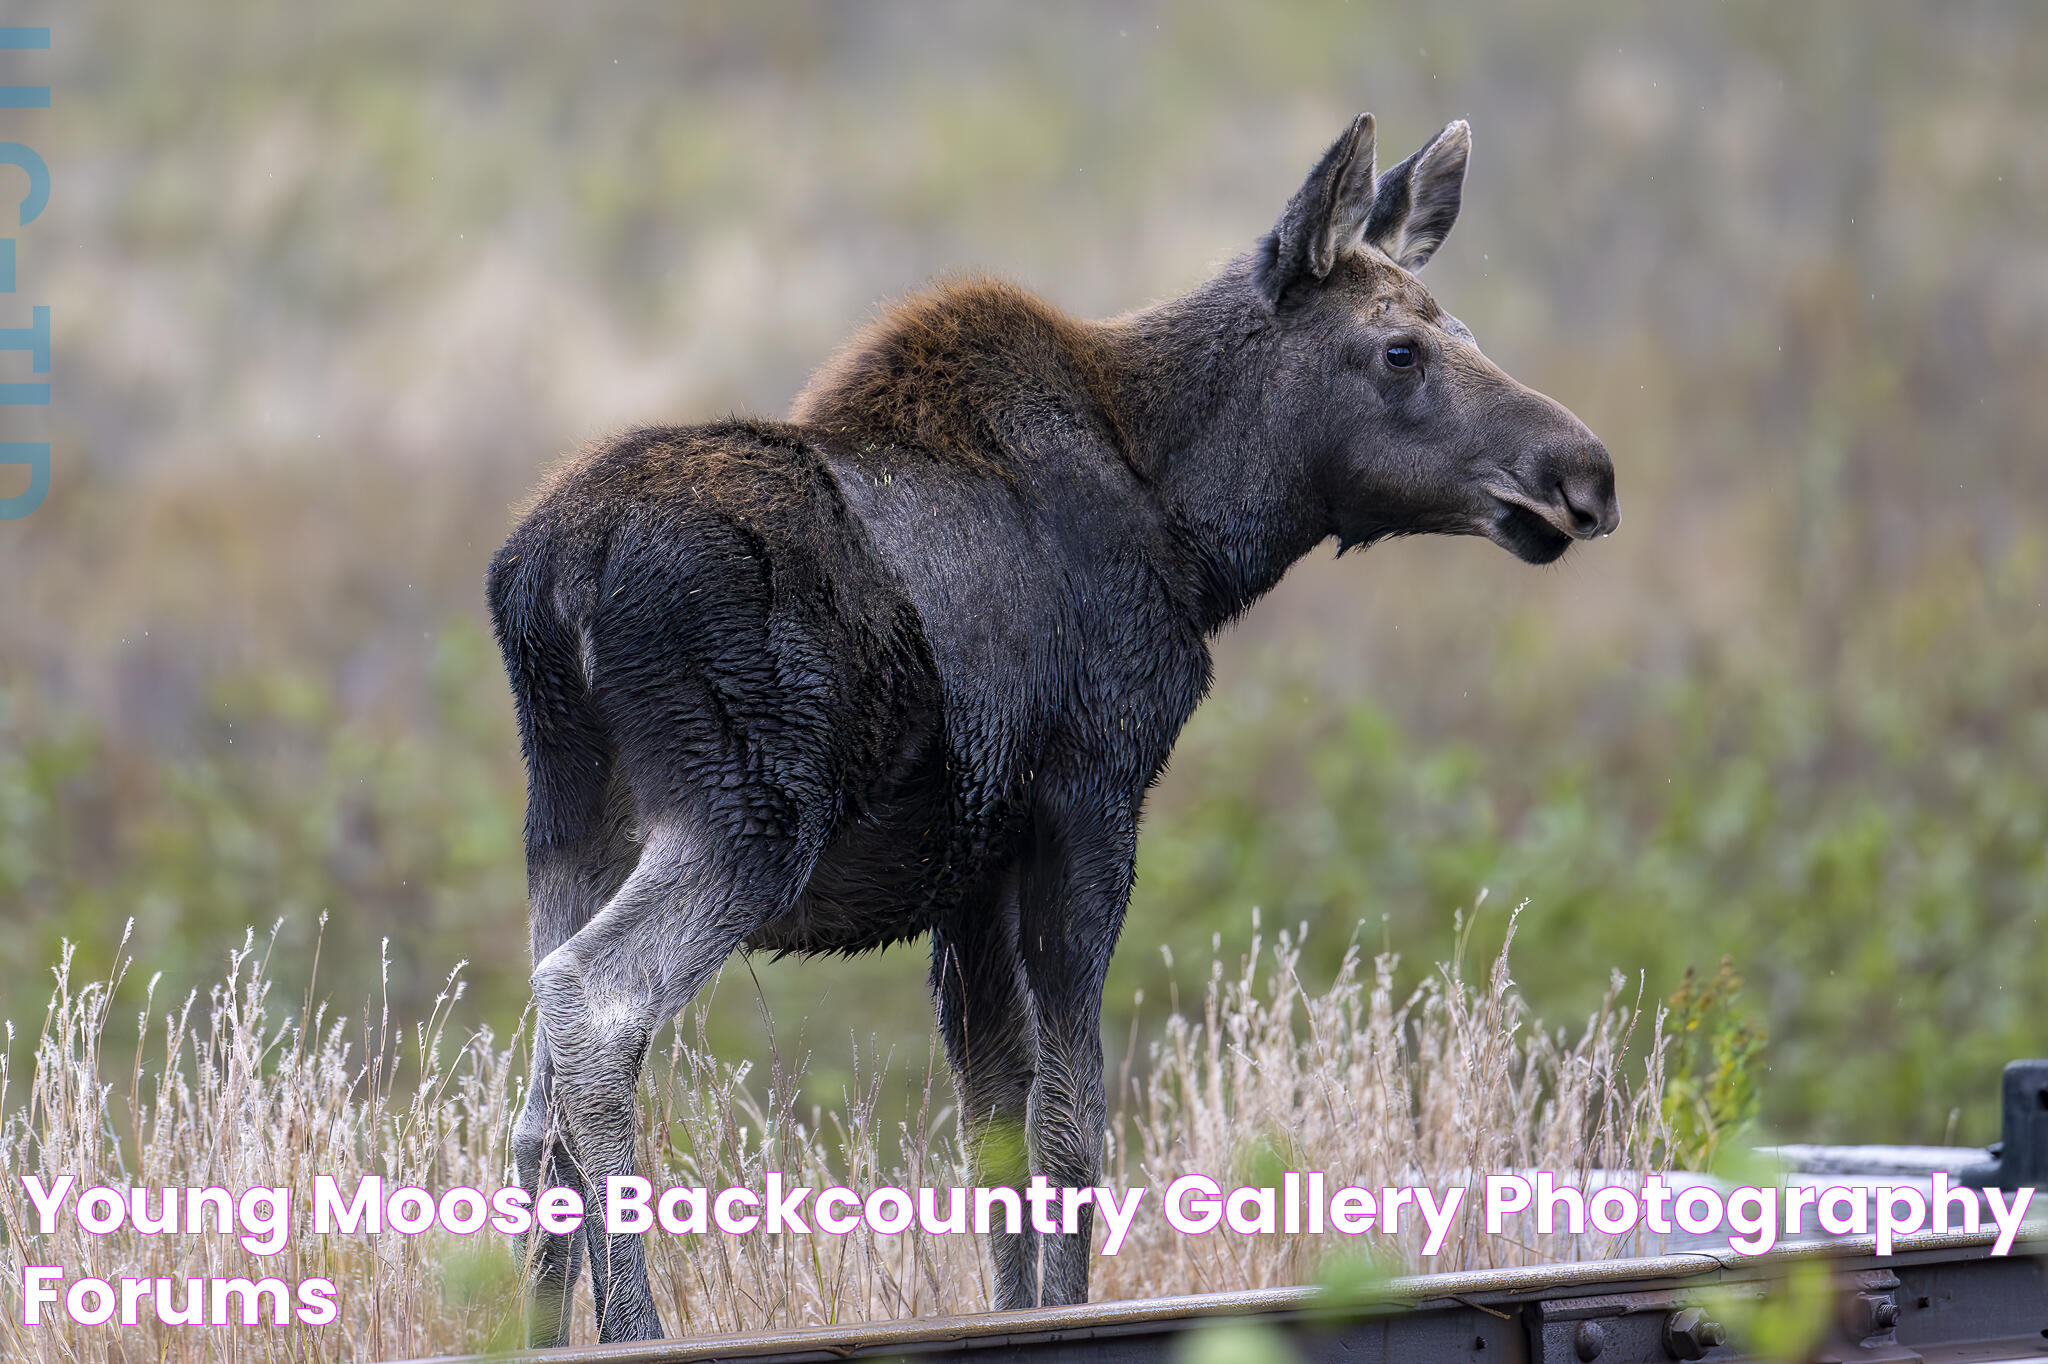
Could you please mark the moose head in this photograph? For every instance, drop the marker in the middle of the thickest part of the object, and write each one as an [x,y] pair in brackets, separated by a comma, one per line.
[1412,430]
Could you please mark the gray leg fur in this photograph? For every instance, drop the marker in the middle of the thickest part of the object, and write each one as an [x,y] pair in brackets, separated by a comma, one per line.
[602,995]
[566,887]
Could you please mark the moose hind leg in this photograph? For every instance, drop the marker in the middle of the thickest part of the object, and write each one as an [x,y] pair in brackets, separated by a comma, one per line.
[551,1262]
[570,879]
[691,900]
[985,1017]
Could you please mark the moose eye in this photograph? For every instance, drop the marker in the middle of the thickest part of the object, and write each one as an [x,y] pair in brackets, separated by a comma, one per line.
[1401,356]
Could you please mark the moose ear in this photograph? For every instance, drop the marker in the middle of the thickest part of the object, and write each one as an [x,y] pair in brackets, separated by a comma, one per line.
[1417,201]
[1326,214]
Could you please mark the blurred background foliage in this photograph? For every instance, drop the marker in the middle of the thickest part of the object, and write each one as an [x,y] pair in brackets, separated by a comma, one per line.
[332,285]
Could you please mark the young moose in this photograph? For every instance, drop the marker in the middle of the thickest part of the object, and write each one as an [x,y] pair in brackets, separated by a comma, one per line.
[908,662]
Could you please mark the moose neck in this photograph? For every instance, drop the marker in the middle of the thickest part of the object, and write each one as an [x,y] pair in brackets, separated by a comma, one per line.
[1233,475]
[1182,388]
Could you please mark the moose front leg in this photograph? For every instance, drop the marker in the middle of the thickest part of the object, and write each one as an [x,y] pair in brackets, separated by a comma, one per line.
[985,1017]
[1076,884]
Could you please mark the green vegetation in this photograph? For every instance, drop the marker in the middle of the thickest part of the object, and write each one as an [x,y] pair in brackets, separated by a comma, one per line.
[1869,851]
[1710,1096]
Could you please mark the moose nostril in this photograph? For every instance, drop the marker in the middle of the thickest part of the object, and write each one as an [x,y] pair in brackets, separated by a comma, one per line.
[1583,505]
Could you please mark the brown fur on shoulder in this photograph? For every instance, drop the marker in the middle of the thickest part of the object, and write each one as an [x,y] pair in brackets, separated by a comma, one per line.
[940,370]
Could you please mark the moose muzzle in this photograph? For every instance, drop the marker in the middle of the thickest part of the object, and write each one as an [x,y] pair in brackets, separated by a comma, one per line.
[1556,492]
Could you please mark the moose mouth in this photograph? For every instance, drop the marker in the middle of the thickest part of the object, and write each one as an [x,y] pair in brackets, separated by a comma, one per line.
[1526,535]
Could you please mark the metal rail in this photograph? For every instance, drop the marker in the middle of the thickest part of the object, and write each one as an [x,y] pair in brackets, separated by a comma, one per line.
[1943,1299]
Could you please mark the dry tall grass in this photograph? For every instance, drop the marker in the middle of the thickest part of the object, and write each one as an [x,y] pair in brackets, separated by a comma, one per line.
[1271,1075]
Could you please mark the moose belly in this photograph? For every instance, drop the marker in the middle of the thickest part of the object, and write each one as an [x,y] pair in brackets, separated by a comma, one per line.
[873,888]
[875,885]
[896,863]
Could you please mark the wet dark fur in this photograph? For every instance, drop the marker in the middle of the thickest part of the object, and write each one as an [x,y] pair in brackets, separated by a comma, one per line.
[907,663]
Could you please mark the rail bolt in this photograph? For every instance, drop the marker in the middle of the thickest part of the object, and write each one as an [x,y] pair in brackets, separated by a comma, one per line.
[1872,1314]
[1690,1333]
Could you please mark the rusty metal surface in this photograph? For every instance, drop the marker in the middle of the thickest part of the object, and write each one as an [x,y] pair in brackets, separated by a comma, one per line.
[1906,1161]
